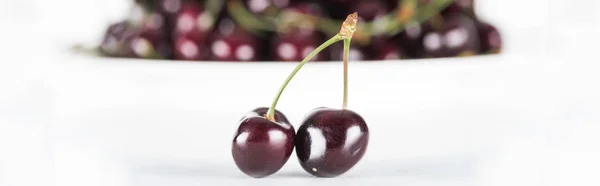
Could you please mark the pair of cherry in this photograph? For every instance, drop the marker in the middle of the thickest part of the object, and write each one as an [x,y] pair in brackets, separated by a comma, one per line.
[328,143]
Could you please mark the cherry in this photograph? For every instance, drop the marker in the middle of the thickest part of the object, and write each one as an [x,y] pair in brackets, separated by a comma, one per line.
[194,22]
[232,43]
[331,141]
[491,42]
[114,38]
[187,48]
[260,147]
[144,39]
[455,36]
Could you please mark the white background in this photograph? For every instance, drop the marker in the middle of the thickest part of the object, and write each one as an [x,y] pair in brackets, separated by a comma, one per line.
[526,117]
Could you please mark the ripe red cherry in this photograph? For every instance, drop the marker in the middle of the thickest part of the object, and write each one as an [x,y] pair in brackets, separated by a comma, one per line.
[232,43]
[144,39]
[194,22]
[491,41]
[331,141]
[188,48]
[260,147]
[295,46]
[455,36]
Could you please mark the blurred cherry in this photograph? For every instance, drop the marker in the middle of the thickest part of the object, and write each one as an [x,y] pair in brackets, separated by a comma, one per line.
[193,22]
[233,43]
[491,41]
[456,36]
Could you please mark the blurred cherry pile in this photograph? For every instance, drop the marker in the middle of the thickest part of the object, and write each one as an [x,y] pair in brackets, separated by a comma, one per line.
[287,30]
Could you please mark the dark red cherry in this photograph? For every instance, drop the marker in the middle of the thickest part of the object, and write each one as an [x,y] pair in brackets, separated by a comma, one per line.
[260,147]
[145,39]
[193,22]
[331,141]
[188,48]
[456,35]
[491,41]
[233,43]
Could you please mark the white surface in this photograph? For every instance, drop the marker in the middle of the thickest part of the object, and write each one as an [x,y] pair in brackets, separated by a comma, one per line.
[527,117]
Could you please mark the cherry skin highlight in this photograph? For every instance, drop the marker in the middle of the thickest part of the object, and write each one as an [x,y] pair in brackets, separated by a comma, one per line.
[331,141]
[260,147]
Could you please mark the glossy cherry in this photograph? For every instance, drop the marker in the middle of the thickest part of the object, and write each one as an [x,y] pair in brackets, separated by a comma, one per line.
[456,35]
[331,141]
[260,147]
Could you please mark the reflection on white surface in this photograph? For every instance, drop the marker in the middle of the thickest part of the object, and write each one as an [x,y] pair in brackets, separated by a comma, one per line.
[317,143]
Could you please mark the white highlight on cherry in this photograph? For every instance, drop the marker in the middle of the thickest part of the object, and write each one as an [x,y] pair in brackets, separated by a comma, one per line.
[241,138]
[432,41]
[276,136]
[456,37]
[189,49]
[287,51]
[307,50]
[244,52]
[318,143]
[221,49]
[141,46]
[185,23]
[352,136]
[258,5]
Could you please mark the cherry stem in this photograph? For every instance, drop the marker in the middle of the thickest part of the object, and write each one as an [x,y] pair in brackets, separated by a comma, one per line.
[346,56]
[271,113]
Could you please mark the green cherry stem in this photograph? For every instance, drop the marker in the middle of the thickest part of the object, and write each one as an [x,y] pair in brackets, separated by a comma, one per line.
[346,56]
[271,112]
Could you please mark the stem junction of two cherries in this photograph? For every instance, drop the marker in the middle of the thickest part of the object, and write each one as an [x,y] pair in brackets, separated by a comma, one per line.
[345,34]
